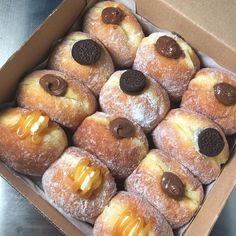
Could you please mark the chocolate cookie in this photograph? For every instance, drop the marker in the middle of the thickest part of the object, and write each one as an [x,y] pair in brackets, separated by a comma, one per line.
[132,82]
[86,52]
[210,142]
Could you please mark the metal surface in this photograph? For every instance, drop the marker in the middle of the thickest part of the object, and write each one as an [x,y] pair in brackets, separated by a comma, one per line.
[18,19]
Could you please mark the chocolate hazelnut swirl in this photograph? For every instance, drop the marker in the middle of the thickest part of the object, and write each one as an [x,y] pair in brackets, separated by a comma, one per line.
[112,15]
[53,84]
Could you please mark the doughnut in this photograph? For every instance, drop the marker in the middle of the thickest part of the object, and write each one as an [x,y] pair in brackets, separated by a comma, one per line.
[212,93]
[169,60]
[195,141]
[63,99]
[117,28]
[130,214]
[79,184]
[116,141]
[168,186]
[29,141]
[139,98]
[84,58]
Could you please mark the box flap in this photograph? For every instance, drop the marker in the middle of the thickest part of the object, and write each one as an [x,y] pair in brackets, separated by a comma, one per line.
[212,24]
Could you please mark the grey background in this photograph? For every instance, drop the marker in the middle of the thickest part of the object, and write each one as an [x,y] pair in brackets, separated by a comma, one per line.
[18,19]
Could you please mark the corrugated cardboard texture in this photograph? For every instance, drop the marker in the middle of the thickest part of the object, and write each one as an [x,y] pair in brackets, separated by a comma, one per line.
[190,19]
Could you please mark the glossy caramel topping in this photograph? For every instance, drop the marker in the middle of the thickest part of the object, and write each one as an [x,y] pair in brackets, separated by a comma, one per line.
[53,85]
[33,124]
[225,93]
[130,225]
[86,178]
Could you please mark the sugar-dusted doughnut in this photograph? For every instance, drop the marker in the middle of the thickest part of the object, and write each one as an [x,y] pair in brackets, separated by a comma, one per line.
[116,141]
[79,184]
[195,141]
[117,28]
[83,57]
[63,99]
[29,141]
[169,60]
[212,92]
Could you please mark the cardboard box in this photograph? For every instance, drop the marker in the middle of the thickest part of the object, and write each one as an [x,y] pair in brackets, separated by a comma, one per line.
[204,24]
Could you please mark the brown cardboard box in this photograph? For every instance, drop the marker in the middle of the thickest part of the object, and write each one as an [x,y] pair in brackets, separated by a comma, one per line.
[208,28]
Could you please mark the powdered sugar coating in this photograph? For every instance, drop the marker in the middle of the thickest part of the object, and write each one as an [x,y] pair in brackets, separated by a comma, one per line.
[173,74]
[121,156]
[177,136]
[58,188]
[68,110]
[138,206]
[146,179]
[93,76]
[121,40]
[200,97]
[146,109]
[22,154]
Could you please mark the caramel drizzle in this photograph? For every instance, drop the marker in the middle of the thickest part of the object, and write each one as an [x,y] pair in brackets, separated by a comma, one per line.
[86,178]
[23,127]
[130,225]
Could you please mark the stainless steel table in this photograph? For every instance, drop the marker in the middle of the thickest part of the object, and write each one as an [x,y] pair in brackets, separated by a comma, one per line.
[18,19]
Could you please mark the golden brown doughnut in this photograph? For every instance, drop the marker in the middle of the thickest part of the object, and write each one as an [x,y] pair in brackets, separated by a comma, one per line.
[193,140]
[147,107]
[212,92]
[127,212]
[118,143]
[168,186]
[29,141]
[117,28]
[168,59]
[93,65]
[63,99]
[79,184]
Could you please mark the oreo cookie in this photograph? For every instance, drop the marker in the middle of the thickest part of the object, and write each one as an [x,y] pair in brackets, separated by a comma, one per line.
[86,52]
[132,82]
[210,142]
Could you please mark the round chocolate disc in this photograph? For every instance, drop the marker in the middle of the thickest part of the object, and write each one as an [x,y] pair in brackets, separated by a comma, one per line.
[168,47]
[122,128]
[225,93]
[210,142]
[53,84]
[132,82]
[86,52]
[172,185]
[112,15]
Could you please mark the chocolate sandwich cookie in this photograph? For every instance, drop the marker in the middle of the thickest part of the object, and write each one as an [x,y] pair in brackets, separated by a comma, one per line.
[132,82]
[86,52]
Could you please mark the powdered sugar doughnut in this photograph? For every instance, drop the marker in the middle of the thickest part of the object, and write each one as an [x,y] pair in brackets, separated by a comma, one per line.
[58,186]
[117,28]
[195,141]
[157,179]
[212,92]
[63,99]
[173,64]
[136,211]
[29,141]
[83,57]
[117,142]
[147,108]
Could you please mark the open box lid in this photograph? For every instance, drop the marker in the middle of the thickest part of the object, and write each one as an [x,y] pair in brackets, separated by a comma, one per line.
[212,24]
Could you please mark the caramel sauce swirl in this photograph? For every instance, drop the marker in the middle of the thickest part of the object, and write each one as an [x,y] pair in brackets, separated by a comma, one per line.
[33,124]
[130,225]
[86,178]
